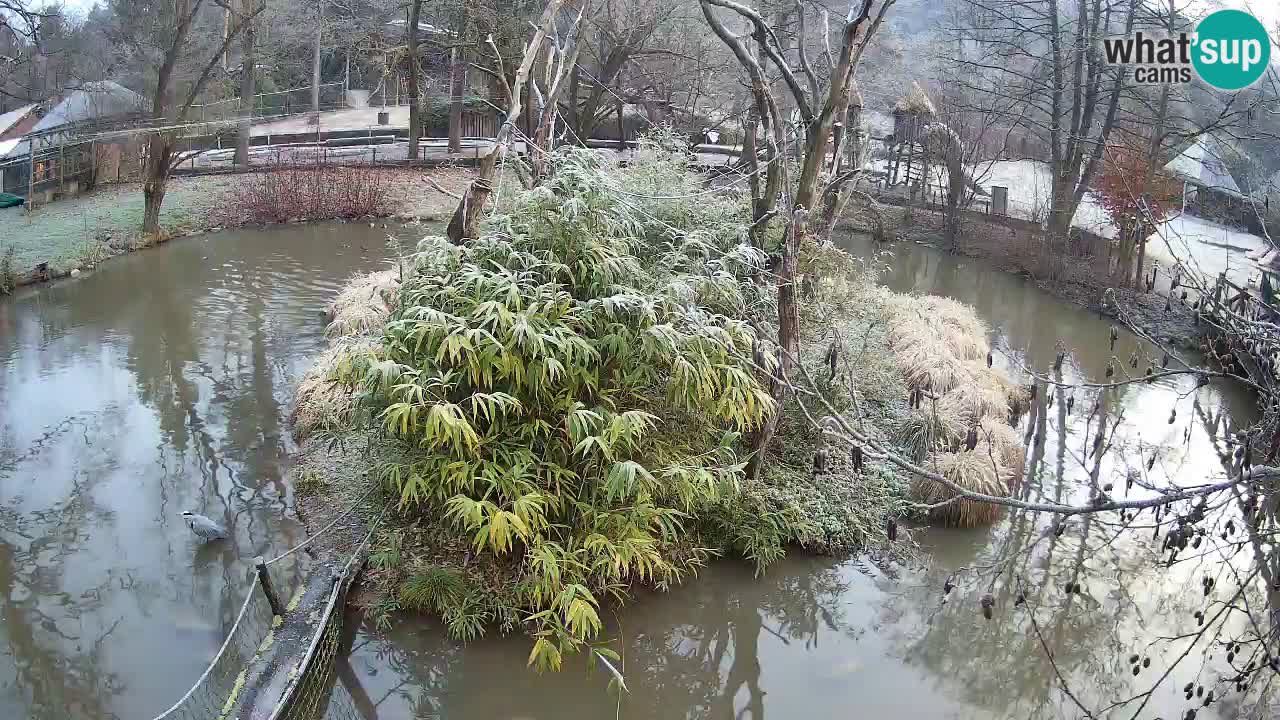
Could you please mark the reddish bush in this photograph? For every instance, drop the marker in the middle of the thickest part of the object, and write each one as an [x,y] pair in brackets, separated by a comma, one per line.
[1121,188]
[308,192]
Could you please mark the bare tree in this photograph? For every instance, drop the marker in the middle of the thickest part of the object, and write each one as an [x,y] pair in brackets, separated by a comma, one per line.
[415,109]
[315,60]
[19,42]
[1035,54]
[619,32]
[561,60]
[457,80]
[161,33]
[465,223]
[248,77]
[819,105]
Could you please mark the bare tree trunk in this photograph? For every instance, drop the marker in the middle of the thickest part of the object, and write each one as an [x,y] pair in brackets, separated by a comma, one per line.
[457,85]
[248,86]
[788,338]
[411,41]
[1140,239]
[941,141]
[159,149]
[1154,158]
[465,223]
[560,65]
[160,145]
[315,63]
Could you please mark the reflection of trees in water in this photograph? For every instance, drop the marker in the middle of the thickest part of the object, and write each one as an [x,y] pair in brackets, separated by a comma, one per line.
[1000,664]
[685,664]
[57,669]
[1130,604]
[693,655]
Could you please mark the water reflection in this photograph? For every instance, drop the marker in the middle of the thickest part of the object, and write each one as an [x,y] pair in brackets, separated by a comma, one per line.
[158,383]
[798,642]
[824,637]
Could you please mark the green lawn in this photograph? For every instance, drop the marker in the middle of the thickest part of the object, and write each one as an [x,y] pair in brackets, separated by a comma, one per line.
[70,232]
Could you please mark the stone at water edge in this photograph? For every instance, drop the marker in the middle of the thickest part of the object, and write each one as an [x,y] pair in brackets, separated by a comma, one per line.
[75,272]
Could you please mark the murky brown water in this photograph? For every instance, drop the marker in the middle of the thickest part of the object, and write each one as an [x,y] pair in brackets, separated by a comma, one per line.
[157,384]
[161,383]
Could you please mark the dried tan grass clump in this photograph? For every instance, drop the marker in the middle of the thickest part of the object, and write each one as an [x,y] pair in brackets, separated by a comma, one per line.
[941,344]
[974,471]
[364,305]
[971,402]
[1019,395]
[924,367]
[1006,443]
[324,402]
[925,431]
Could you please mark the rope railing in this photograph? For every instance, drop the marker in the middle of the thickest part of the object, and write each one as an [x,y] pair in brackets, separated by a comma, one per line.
[324,529]
[182,708]
[216,691]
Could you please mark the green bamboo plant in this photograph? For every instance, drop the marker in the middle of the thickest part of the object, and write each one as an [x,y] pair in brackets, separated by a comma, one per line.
[571,388]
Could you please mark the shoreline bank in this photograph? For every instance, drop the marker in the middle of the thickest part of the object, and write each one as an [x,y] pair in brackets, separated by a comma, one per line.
[71,236]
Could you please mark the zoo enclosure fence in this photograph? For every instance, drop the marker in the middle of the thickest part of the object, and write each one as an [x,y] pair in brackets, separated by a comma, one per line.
[216,693]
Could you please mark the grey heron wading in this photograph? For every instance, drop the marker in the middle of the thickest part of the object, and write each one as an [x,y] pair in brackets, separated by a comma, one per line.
[203,527]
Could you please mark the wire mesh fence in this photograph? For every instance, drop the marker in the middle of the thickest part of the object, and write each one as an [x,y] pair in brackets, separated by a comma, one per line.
[56,168]
[311,696]
[215,692]
[271,104]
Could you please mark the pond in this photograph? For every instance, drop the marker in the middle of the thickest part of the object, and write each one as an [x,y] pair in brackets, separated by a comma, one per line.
[157,384]
[828,637]
[162,382]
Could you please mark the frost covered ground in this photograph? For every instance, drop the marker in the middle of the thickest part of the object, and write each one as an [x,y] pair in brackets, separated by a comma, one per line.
[1204,245]
[83,229]
[1207,246]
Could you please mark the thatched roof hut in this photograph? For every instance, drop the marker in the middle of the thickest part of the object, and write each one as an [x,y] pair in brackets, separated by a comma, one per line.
[911,113]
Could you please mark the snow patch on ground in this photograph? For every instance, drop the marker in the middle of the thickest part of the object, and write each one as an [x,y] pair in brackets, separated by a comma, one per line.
[1202,244]
[1208,247]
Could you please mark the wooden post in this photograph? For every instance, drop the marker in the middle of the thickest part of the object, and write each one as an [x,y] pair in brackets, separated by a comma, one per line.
[31,173]
[622,128]
[264,579]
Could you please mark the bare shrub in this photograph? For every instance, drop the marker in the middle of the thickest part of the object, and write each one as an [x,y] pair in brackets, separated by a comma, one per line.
[308,191]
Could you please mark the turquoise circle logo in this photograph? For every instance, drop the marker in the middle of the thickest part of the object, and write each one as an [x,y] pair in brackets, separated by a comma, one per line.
[1231,49]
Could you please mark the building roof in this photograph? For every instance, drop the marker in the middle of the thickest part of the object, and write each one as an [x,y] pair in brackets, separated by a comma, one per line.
[1201,164]
[8,146]
[13,117]
[93,101]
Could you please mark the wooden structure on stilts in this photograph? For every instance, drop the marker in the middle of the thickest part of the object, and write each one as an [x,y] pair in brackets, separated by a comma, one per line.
[908,164]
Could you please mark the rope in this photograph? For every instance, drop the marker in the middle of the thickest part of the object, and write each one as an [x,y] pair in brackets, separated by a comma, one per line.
[324,529]
[249,596]
[244,608]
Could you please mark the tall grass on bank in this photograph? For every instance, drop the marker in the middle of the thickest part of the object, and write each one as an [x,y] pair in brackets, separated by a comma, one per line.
[941,346]
[308,191]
